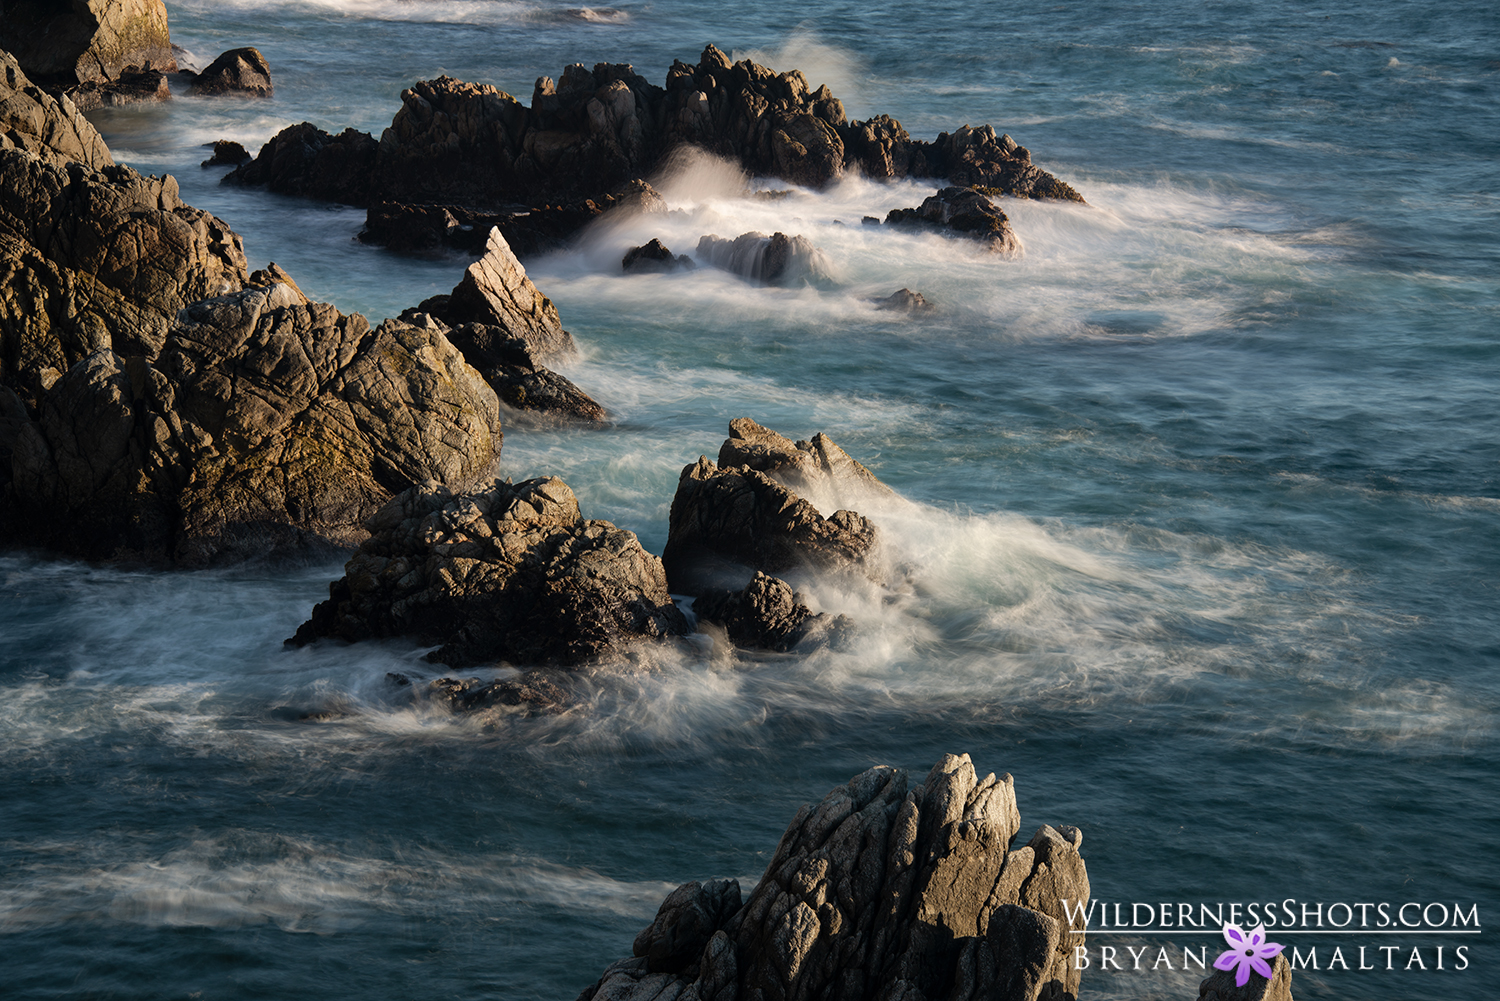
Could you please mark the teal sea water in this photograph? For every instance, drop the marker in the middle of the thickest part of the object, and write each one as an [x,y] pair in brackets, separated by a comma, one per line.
[1205,535]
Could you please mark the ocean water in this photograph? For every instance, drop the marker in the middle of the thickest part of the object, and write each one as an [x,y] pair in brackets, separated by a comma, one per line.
[1203,535]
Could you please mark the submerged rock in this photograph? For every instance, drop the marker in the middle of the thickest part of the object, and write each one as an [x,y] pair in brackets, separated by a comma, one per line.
[965,212]
[509,573]
[904,300]
[239,71]
[740,516]
[882,892]
[767,615]
[777,259]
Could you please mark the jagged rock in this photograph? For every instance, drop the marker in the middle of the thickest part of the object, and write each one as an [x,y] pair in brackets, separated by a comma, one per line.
[767,615]
[69,43]
[511,369]
[777,259]
[534,693]
[964,211]
[133,86]
[654,258]
[904,301]
[305,160]
[883,893]
[508,573]
[238,71]
[262,425]
[594,133]
[732,519]
[685,922]
[97,259]
[496,292]
[227,153]
[49,127]
[1221,986]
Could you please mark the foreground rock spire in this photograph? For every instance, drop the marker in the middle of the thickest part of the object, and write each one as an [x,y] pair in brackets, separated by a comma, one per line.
[879,893]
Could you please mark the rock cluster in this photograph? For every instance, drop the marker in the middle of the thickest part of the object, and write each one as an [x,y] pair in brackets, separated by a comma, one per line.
[594,132]
[508,573]
[964,211]
[744,514]
[879,892]
[768,615]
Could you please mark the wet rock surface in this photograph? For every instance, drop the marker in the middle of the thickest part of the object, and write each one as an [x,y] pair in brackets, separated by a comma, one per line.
[963,212]
[904,300]
[879,892]
[767,615]
[776,259]
[510,573]
[654,258]
[739,516]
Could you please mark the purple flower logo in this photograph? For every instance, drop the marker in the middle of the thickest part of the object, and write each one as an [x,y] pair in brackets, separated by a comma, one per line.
[1247,952]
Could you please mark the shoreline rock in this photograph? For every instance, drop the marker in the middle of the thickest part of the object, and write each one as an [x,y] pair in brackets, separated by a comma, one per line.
[879,891]
[84,41]
[243,71]
[965,212]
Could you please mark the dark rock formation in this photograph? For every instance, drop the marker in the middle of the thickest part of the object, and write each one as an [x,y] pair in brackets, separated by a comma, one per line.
[133,86]
[263,424]
[227,153]
[239,71]
[496,292]
[78,41]
[963,211]
[654,258]
[732,519]
[305,160]
[511,369]
[594,132]
[48,127]
[509,573]
[535,693]
[904,301]
[777,259]
[767,615]
[879,893]
[1221,986]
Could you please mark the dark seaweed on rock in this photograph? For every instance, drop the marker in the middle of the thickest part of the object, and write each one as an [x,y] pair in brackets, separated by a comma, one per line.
[879,893]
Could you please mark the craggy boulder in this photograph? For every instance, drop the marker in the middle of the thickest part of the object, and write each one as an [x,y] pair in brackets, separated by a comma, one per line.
[263,425]
[768,615]
[239,71]
[883,892]
[65,42]
[50,127]
[777,259]
[507,573]
[496,292]
[305,160]
[964,212]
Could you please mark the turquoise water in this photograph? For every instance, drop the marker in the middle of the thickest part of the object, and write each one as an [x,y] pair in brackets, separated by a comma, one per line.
[1204,535]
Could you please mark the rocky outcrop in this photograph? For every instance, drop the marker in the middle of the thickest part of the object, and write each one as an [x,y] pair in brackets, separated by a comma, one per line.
[96,259]
[965,212]
[879,893]
[777,259]
[508,573]
[596,131]
[496,292]
[79,41]
[263,424]
[509,366]
[740,516]
[767,615]
[227,153]
[654,258]
[305,160]
[1221,985]
[46,126]
[241,71]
